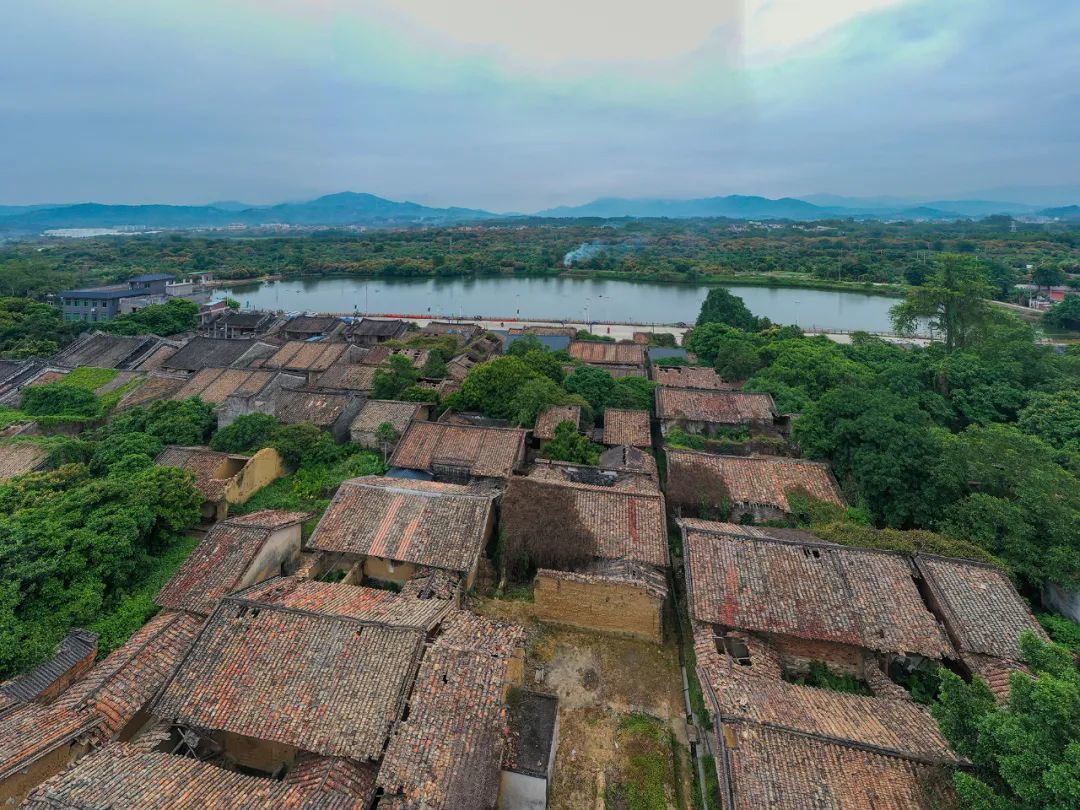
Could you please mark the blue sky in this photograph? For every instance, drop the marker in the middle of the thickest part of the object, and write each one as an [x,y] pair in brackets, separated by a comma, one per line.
[523,105]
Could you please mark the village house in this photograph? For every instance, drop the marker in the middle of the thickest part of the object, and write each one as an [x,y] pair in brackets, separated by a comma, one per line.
[308,358]
[629,460]
[464,332]
[551,418]
[251,398]
[344,377]
[154,387]
[214,385]
[205,352]
[21,457]
[619,522]
[712,411]
[370,331]
[458,368]
[231,323]
[332,412]
[618,359]
[627,427]
[377,412]
[380,354]
[754,487]
[458,453]
[224,478]
[101,350]
[235,553]
[388,528]
[41,736]
[553,338]
[307,327]
[701,377]
[74,656]
[983,615]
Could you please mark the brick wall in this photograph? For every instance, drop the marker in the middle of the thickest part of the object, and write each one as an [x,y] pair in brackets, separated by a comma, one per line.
[609,607]
[797,653]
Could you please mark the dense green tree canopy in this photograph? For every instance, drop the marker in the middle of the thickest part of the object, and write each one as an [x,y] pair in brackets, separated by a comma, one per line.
[952,299]
[171,318]
[720,306]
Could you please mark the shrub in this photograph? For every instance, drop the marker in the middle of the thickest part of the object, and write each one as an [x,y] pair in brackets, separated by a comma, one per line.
[59,399]
[248,432]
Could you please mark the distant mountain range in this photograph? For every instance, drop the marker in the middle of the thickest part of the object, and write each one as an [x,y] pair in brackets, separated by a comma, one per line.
[351,208]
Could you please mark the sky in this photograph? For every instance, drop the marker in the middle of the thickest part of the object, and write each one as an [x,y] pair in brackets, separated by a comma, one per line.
[518,105]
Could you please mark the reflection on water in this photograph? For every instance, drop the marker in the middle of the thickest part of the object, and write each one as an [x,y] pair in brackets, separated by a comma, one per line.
[559,298]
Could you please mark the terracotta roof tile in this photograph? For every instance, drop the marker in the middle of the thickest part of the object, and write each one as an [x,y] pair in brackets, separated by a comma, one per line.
[714,407]
[435,525]
[348,377]
[29,731]
[217,565]
[203,463]
[309,677]
[767,767]
[596,352]
[447,753]
[810,590]
[627,427]
[152,389]
[689,377]
[378,411]
[551,418]
[982,610]
[624,458]
[302,355]
[764,481]
[897,726]
[622,525]
[126,777]
[19,458]
[318,407]
[485,452]
[215,384]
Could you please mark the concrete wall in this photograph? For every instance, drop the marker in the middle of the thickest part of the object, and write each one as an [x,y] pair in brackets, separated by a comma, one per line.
[608,607]
[277,556]
[519,791]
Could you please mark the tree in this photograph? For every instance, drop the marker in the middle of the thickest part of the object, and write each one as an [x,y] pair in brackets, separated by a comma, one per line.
[720,306]
[534,396]
[524,344]
[132,449]
[387,435]
[736,359]
[58,399]
[393,377]
[491,387]
[303,444]
[544,362]
[434,367]
[1003,278]
[417,393]
[31,329]
[570,445]
[186,422]
[171,318]
[1025,754]
[1047,275]
[953,299]
[594,384]
[1065,314]
[1054,418]
[245,433]
[633,393]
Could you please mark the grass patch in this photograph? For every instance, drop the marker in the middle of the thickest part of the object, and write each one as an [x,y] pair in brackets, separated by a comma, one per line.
[136,605]
[712,785]
[645,784]
[11,416]
[112,399]
[90,378]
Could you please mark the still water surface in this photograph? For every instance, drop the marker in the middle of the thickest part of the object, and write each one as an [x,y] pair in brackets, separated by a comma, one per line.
[559,298]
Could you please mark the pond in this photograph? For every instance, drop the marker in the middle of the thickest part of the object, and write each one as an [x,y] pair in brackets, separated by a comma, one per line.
[574,299]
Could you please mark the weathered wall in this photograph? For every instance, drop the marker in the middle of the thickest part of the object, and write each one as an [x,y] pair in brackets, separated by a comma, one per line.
[796,654]
[14,789]
[608,607]
[755,511]
[278,555]
[263,755]
[388,570]
[263,467]
[1064,602]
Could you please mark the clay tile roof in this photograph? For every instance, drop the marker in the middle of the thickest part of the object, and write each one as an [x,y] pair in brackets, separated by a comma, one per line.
[627,427]
[217,565]
[313,677]
[764,481]
[358,603]
[76,647]
[810,590]
[203,463]
[121,685]
[311,324]
[757,694]
[29,731]
[19,458]
[348,377]
[622,525]
[436,525]
[982,610]
[551,418]
[378,328]
[448,752]
[377,355]
[714,407]
[485,452]
[318,407]
[301,355]
[600,353]
[204,352]
[624,458]
[766,767]
[689,377]
[379,411]
[564,472]
[215,384]
[152,389]
[621,572]
[123,776]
